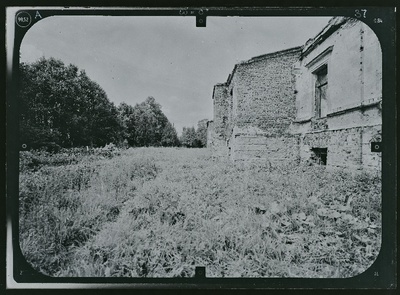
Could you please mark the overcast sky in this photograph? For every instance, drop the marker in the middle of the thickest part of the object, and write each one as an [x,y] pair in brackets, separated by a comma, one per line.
[168,58]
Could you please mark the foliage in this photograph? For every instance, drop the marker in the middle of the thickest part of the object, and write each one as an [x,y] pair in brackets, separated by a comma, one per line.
[62,206]
[34,160]
[201,133]
[127,121]
[195,138]
[189,138]
[159,212]
[146,125]
[169,136]
[61,107]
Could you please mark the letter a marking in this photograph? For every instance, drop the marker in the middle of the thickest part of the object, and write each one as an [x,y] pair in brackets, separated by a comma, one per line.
[38,14]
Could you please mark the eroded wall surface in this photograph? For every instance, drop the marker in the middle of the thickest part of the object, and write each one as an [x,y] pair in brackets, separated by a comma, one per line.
[353,117]
[263,92]
[262,107]
[272,148]
[267,109]
[219,126]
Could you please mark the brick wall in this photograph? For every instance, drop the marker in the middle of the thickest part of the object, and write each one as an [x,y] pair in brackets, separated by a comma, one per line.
[263,92]
[259,106]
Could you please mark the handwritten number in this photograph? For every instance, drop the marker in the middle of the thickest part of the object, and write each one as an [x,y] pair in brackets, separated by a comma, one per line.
[364,12]
[360,13]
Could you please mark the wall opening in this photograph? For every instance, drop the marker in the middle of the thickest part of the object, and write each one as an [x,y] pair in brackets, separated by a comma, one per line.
[321,86]
[319,155]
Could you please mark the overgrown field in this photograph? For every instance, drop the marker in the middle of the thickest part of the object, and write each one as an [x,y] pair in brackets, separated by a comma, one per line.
[159,212]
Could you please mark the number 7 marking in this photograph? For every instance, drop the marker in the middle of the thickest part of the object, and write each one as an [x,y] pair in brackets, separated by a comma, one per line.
[360,13]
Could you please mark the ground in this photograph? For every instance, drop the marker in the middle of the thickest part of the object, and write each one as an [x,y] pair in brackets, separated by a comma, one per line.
[159,212]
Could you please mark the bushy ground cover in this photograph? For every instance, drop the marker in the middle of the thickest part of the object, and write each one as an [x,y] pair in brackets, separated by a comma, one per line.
[159,212]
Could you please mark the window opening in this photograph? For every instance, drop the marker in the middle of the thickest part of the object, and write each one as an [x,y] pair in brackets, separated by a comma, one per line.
[321,86]
[319,155]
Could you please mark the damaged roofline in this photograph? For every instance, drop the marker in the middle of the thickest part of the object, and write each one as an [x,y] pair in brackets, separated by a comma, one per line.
[333,25]
[218,85]
[272,54]
[262,57]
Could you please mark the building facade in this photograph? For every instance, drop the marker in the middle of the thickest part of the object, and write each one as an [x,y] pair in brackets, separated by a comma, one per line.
[320,102]
[339,95]
[254,109]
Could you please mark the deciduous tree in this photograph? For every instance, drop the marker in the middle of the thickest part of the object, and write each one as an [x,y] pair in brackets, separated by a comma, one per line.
[61,107]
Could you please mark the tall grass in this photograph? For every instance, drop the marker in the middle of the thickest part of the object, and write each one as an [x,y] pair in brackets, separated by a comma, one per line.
[161,212]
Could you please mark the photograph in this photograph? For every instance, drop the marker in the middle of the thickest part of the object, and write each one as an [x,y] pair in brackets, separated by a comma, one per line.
[159,146]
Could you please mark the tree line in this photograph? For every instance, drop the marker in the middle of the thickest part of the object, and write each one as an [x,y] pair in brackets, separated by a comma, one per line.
[195,138]
[61,107]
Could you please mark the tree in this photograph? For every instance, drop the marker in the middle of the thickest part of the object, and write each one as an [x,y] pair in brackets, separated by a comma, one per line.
[195,138]
[201,133]
[146,125]
[127,122]
[169,136]
[188,138]
[62,107]
[100,116]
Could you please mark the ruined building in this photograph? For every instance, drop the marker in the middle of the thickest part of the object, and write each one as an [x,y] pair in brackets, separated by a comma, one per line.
[320,102]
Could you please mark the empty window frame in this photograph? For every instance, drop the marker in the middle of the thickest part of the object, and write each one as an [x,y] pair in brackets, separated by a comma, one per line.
[321,87]
[319,155]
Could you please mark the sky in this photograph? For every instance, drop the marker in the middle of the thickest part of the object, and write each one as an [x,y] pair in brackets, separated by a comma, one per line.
[168,58]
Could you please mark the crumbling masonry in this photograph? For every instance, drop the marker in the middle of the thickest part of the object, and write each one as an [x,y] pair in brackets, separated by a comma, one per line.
[320,102]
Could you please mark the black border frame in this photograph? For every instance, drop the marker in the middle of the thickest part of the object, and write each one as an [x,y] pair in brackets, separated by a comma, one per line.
[385,264]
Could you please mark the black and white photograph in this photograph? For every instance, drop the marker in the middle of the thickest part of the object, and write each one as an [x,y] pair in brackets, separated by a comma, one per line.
[158,146]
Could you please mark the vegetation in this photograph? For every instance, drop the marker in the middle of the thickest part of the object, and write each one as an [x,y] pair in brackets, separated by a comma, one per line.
[159,212]
[60,107]
[195,138]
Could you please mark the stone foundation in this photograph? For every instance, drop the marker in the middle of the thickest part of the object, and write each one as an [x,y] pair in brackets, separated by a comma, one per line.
[245,146]
[350,147]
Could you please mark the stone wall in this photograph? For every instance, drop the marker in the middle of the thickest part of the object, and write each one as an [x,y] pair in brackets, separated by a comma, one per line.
[210,134]
[371,160]
[270,148]
[261,107]
[267,108]
[352,55]
[262,91]
[220,120]
[349,147]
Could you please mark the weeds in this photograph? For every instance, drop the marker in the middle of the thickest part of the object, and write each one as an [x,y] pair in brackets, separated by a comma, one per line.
[159,212]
